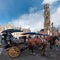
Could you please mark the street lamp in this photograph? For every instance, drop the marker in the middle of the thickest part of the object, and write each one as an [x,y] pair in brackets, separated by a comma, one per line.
[52,24]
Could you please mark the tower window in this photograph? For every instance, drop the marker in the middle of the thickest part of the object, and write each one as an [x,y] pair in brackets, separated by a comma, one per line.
[46,17]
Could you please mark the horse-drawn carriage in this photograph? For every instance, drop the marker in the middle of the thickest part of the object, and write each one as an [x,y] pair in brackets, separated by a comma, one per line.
[13,48]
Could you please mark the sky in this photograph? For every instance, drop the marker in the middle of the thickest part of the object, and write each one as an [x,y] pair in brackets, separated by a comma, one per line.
[28,13]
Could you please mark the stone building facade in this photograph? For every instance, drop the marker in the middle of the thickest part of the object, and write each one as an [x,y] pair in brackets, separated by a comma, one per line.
[46,17]
[48,26]
[11,26]
[47,22]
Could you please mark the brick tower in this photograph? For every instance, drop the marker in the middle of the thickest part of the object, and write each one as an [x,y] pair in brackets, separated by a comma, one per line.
[46,18]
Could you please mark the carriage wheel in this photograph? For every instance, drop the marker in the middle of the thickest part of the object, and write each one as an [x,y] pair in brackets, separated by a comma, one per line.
[14,52]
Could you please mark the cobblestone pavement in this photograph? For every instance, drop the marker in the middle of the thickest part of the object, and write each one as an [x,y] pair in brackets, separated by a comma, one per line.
[51,55]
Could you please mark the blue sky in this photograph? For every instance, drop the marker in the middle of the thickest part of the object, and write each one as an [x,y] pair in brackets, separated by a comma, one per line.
[28,13]
[12,9]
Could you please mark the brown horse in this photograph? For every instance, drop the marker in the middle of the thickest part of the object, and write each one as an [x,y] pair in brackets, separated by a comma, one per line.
[39,41]
[32,42]
[50,39]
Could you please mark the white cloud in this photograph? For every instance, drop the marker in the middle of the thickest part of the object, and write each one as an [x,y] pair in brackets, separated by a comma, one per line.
[55,17]
[49,1]
[34,21]
[32,9]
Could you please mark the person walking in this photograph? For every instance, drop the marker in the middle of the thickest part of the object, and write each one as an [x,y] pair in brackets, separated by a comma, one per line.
[56,44]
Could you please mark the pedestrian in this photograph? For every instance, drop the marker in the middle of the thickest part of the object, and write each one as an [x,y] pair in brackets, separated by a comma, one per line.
[1,48]
[56,44]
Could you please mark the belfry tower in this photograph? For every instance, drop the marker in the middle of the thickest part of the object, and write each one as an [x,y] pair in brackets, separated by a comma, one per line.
[46,17]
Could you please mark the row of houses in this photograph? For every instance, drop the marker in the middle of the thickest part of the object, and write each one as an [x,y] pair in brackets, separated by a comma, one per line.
[11,26]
